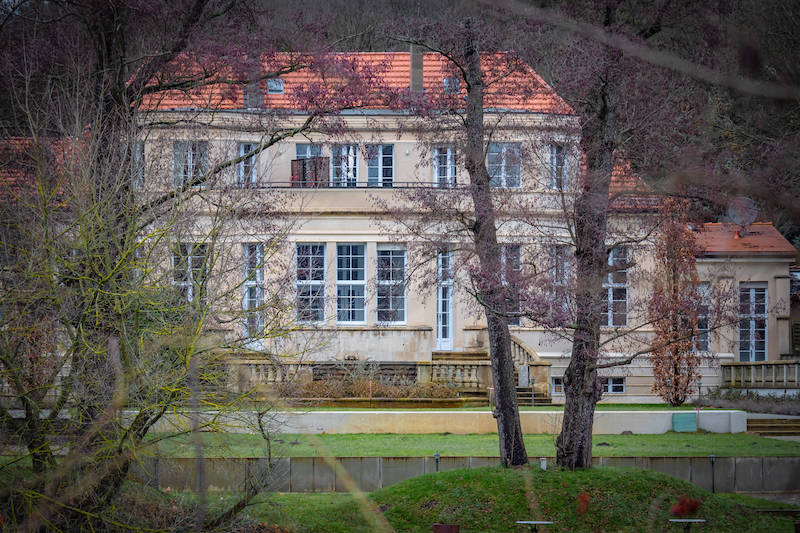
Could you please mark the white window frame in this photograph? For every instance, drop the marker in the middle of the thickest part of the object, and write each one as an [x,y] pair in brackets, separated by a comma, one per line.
[189,161]
[612,382]
[444,158]
[344,281]
[183,260]
[138,166]
[560,265]
[380,162]
[557,385]
[610,285]
[247,169]
[749,318]
[307,150]
[344,166]
[444,306]
[314,282]
[559,168]
[253,288]
[500,164]
[505,250]
[275,86]
[390,252]
[701,342]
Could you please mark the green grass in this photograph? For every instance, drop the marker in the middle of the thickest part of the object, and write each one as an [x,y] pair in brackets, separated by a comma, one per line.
[492,499]
[413,445]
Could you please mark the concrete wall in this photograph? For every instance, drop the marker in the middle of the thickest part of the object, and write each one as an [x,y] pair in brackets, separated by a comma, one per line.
[465,422]
[344,474]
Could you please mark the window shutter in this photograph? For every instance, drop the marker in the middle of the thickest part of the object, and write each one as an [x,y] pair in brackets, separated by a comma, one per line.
[320,170]
[298,168]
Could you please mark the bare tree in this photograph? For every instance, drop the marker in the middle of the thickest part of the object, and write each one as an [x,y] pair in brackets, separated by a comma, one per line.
[119,298]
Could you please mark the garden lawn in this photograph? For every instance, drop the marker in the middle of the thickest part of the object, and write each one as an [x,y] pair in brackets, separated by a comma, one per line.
[492,499]
[416,445]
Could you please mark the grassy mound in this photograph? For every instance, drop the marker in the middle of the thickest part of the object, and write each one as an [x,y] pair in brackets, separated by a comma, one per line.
[492,499]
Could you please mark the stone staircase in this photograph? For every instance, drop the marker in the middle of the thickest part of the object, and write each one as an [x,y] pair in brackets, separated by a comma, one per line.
[774,427]
[524,397]
[521,355]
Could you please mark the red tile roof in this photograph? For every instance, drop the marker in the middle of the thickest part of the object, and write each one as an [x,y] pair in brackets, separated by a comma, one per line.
[24,162]
[717,239]
[629,192]
[513,85]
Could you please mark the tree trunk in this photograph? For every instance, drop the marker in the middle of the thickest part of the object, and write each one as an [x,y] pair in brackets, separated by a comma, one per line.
[581,387]
[491,293]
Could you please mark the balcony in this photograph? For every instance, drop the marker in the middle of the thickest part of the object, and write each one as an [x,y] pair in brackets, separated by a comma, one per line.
[315,172]
[761,375]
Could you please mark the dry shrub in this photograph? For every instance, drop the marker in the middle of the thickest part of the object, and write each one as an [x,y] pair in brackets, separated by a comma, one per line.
[788,404]
[362,387]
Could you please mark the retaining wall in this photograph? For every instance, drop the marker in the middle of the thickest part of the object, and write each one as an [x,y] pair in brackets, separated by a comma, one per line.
[319,474]
[462,422]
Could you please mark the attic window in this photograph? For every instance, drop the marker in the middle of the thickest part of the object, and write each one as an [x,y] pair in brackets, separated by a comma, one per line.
[275,86]
[451,85]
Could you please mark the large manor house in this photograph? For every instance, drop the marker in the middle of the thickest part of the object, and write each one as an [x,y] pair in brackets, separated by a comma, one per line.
[350,269]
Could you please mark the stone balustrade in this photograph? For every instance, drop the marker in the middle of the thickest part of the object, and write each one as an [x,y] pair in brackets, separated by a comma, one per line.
[762,375]
[461,374]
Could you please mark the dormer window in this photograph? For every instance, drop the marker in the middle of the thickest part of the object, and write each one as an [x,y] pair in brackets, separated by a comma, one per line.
[275,86]
[451,85]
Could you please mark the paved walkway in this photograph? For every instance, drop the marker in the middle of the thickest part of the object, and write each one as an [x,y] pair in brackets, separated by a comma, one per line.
[795,438]
[792,498]
[769,415]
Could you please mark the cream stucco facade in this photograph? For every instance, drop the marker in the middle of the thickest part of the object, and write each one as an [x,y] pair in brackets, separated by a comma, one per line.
[345,220]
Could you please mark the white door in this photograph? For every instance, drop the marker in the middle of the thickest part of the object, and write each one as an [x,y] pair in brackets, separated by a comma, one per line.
[444,303]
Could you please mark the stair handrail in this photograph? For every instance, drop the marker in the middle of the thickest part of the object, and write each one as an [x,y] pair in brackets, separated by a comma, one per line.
[531,356]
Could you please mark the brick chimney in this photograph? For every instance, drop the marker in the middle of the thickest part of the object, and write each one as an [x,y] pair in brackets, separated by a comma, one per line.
[416,69]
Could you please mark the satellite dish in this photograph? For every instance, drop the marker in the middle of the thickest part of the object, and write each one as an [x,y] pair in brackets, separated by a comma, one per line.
[742,211]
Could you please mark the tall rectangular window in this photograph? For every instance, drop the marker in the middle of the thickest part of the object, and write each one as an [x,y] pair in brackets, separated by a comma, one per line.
[380,165]
[344,165]
[503,161]
[246,169]
[559,277]
[511,261]
[752,322]
[253,288]
[391,287]
[558,167]
[350,282]
[444,166]
[189,162]
[310,282]
[138,165]
[444,301]
[615,287]
[190,271]
[700,342]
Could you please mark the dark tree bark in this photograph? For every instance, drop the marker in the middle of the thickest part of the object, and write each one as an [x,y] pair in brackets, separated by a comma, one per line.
[509,429]
[582,389]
